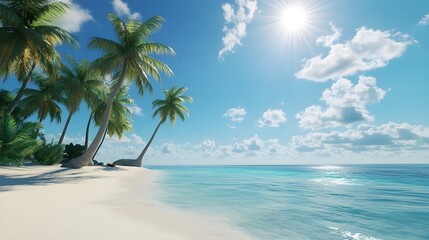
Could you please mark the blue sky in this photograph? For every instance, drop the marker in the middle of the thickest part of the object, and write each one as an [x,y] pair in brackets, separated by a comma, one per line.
[275,82]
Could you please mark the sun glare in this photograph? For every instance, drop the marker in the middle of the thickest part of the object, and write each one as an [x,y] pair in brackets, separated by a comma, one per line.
[293,24]
[294,18]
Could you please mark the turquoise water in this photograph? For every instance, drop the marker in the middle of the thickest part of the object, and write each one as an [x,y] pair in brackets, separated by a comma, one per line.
[307,202]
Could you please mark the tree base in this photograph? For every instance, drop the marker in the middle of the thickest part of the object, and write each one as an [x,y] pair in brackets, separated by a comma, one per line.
[77,162]
[127,162]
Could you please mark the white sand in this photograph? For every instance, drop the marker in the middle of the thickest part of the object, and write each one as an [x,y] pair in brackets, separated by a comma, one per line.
[96,203]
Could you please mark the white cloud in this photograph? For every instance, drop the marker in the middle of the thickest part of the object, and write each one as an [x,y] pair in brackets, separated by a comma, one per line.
[253,144]
[272,118]
[346,104]
[386,137]
[236,114]
[207,145]
[74,17]
[329,40]
[425,20]
[114,148]
[369,49]
[238,19]
[121,8]
[136,110]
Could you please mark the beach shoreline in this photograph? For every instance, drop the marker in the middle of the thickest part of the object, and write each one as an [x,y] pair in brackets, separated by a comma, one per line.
[48,202]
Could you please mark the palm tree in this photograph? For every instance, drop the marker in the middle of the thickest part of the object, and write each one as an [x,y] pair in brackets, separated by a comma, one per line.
[79,84]
[28,38]
[97,109]
[43,101]
[167,108]
[129,58]
[119,121]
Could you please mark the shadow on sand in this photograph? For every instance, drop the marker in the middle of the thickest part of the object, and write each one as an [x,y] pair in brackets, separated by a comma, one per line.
[55,176]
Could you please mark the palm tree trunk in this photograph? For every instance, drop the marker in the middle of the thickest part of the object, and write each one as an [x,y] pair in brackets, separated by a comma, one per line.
[87,130]
[21,90]
[102,141]
[140,158]
[65,128]
[87,157]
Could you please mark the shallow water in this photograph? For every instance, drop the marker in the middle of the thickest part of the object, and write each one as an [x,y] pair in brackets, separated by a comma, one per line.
[307,202]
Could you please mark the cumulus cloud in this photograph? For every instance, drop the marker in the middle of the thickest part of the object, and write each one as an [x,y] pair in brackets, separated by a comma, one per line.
[236,21]
[121,8]
[369,49]
[425,20]
[235,114]
[329,40]
[114,148]
[74,17]
[387,137]
[272,118]
[346,104]
[207,145]
[136,110]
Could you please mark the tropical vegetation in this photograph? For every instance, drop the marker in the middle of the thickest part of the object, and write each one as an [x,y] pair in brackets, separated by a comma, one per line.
[128,58]
[166,109]
[28,39]
[51,87]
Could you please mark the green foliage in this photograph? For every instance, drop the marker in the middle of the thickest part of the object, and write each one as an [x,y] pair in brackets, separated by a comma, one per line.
[44,100]
[49,154]
[172,105]
[73,151]
[28,35]
[6,98]
[16,141]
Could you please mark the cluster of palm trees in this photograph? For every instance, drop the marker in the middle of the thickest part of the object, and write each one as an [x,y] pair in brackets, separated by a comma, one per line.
[27,50]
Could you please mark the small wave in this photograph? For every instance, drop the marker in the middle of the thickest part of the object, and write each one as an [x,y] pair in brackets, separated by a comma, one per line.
[352,236]
[335,181]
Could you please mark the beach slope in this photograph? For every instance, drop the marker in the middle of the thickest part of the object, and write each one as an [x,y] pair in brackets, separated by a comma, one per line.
[48,202]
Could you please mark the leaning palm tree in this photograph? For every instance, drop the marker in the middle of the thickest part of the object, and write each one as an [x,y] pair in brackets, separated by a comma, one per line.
[79,84]
[118,108]
[119,121]
[129,58]
[167,108]
[28,39]
[44,101]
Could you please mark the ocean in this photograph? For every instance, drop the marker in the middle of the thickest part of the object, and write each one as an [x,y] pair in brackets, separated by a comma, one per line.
[368,202]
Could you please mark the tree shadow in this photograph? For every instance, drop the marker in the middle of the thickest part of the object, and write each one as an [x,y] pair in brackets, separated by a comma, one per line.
[57,176]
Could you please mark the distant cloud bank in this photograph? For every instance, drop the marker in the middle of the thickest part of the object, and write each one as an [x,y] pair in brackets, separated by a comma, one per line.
[121,8]
[387,137]
[237,20]
[369,49]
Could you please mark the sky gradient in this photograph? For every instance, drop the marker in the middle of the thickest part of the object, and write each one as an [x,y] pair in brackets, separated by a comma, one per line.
[349,86]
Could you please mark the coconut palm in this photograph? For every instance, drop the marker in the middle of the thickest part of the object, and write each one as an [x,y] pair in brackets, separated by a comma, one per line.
[98,106]
[44,101]
[28,39]
[119,121]
[129,58]
[167,108]
[79,84]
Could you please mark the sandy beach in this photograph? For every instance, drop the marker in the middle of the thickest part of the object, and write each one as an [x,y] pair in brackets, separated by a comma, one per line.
[49,202]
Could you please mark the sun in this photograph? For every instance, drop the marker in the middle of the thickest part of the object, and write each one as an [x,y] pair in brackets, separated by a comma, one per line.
[294,18]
